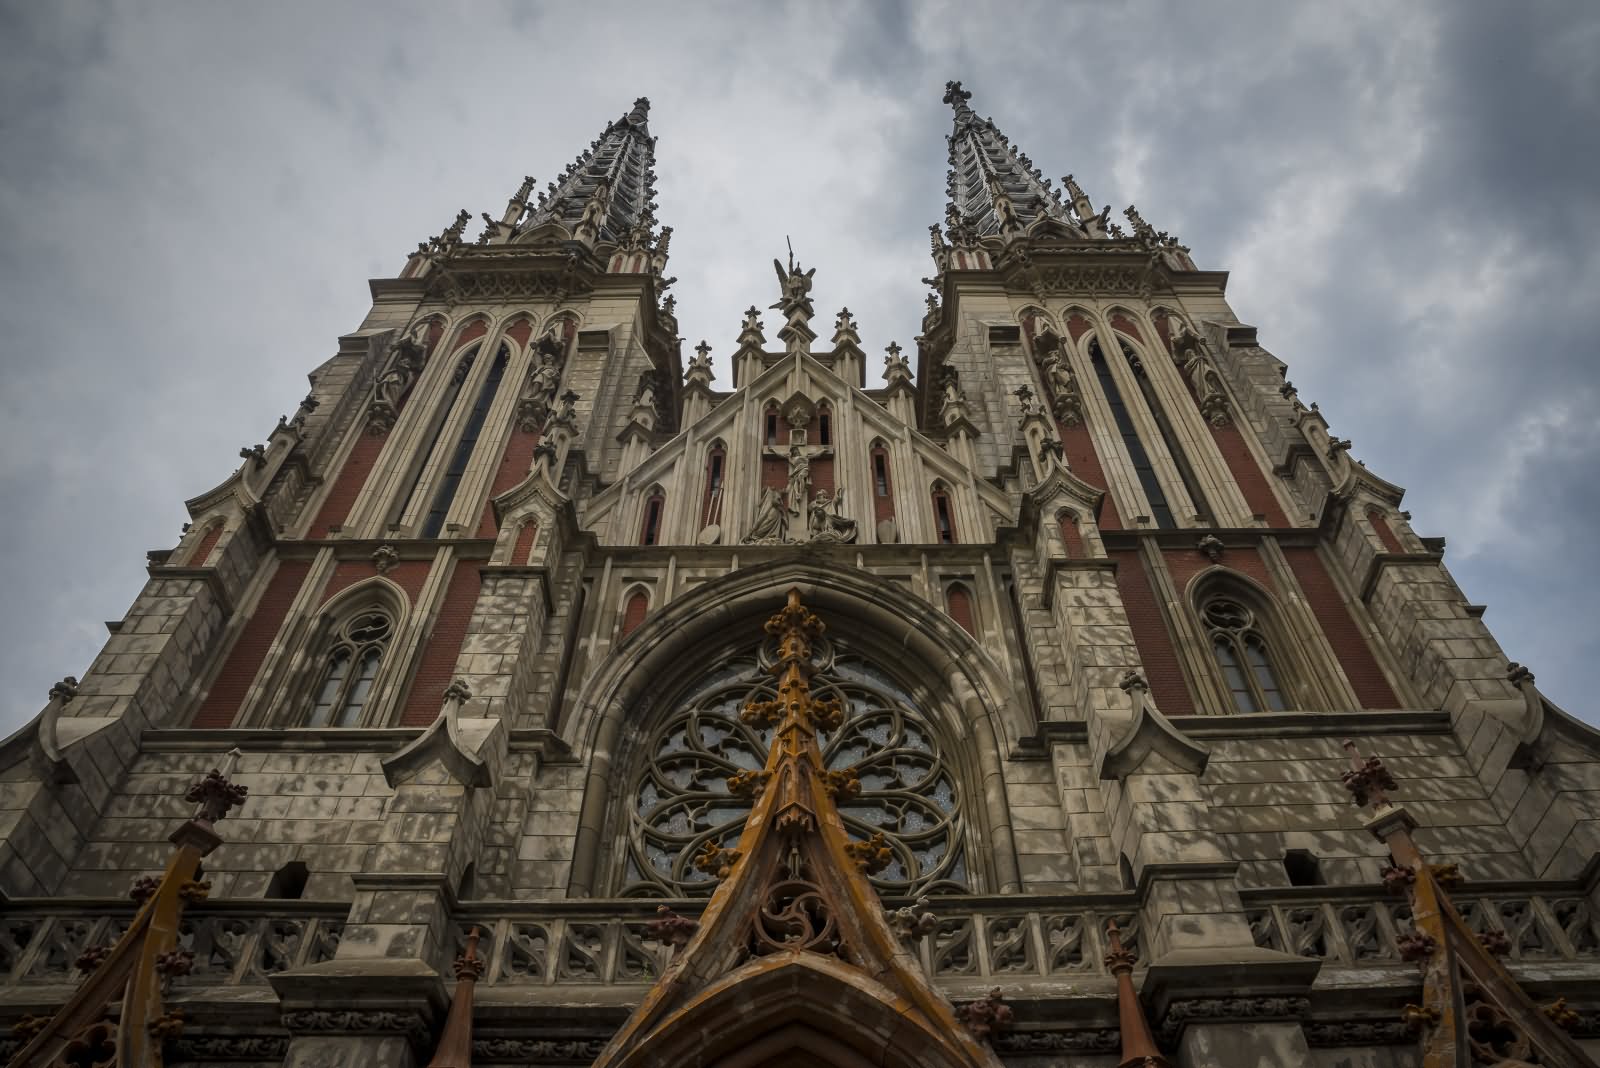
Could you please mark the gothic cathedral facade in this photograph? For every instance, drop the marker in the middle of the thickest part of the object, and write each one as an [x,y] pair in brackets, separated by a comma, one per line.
[1083,605]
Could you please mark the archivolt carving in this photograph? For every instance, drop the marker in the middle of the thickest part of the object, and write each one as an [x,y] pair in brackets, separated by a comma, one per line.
[680,801]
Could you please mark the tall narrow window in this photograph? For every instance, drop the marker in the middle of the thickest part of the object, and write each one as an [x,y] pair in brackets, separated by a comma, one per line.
[771,424]
[1130,440]
[1243,656]
[440,416]
[958,602]
[650,534]
[633,612]
[1071,536]
[824,425]
[349,668]
[446,493]
[711,503]
[880,472]
[943,519]
[1174,449]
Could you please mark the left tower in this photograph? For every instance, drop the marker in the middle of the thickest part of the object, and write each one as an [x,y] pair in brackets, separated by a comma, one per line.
[382,574]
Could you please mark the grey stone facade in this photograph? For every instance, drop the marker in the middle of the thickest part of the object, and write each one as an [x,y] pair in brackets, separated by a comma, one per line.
[584,573]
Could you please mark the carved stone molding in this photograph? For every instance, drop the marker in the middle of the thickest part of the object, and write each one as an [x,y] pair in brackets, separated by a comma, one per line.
[270,1048]
[358,1022]
[1089,1040]
[1390,1032]
[536,1050]
[1185,1011]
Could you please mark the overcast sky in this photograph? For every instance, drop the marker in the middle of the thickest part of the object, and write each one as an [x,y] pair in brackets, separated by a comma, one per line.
[193,196]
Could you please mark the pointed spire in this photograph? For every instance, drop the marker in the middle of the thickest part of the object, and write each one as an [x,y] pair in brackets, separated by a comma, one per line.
[994,190]
[609,190]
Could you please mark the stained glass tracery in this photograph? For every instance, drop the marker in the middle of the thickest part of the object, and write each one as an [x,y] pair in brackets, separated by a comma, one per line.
[679,798]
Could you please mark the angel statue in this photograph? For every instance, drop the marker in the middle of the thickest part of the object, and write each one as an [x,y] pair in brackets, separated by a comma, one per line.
[796,288]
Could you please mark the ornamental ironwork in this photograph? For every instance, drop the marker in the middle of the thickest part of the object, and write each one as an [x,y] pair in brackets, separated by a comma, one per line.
[909,792]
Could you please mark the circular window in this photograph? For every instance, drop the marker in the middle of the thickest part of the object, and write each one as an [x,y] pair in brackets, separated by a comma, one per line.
[679,798]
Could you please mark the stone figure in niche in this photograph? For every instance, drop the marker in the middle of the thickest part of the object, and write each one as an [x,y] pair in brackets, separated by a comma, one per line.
[827,522]
[545,378]
[772,520]
[799,476]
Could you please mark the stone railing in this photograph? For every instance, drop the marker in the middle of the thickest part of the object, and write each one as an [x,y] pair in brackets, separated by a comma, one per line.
[1358,925]
[233,942]
[607,942]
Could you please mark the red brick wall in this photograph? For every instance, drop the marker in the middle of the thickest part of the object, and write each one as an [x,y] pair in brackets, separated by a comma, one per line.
[520,330]
[1150,634]
[442,646]
[634,613]
[244,659]
[1184,564]
[1077,326]
[959,604]
[409,575]
[1085,463]
[1071,537]
[357,466]
[1248,474]
[1126,325]
[774,472]
[202,552]
[1349,645]
[524,547]
[1385,534]
[515,462]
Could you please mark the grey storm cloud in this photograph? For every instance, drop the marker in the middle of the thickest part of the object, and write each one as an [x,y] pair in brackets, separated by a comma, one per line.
[193,196]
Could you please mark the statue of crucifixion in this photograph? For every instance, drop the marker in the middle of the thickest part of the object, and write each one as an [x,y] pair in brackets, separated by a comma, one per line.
[795,499]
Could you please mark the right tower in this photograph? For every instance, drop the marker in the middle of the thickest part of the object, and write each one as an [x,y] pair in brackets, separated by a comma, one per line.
[1224,594]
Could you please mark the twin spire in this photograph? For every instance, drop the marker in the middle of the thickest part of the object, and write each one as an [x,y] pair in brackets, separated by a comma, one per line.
[994,189]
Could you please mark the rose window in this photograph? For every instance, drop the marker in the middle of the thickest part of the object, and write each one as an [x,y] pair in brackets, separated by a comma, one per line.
[680,799]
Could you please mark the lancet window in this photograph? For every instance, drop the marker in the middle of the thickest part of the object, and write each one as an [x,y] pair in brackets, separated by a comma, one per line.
[433,522]
[944,523]
[349,668]
[910,789]
[1243,655]
[1131,441]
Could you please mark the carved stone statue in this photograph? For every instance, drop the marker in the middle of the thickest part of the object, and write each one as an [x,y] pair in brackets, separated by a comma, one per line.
[1066,400]
[799,476]
[827,523]
[796,289]
[772,520]
[545,379]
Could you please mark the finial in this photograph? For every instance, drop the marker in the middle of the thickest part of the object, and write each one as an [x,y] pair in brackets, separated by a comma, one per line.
[703,349]
[954,94]
[893,349]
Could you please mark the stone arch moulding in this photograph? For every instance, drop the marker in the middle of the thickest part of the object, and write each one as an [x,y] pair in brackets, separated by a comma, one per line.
[990,715]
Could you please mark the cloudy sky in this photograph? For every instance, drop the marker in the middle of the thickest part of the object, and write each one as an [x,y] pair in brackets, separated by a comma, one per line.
[193,196]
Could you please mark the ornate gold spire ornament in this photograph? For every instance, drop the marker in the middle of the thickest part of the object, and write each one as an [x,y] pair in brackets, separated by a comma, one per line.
[794,956]
[85,1031]
[1473,1011]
